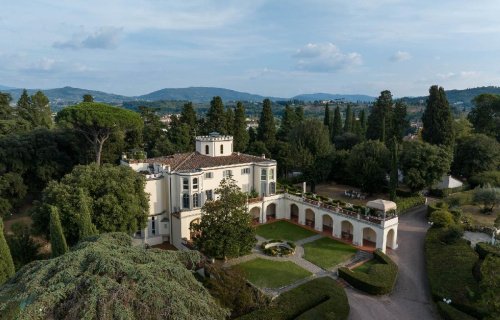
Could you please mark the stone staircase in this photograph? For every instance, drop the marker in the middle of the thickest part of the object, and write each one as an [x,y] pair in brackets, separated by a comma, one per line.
[360,256]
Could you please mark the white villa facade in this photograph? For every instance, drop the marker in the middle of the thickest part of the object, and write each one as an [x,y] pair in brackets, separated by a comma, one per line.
[180,184]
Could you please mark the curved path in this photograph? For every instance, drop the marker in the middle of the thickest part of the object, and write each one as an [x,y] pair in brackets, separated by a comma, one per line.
[411,297]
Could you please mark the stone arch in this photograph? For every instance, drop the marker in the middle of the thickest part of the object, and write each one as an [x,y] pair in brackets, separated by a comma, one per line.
[347,230]
[271,211]
[310,218]
[193,233]
[327,224]
[294,212]
[369,237]
[255,213]
[391,239]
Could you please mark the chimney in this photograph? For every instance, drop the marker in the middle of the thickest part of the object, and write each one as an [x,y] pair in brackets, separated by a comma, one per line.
[263,156]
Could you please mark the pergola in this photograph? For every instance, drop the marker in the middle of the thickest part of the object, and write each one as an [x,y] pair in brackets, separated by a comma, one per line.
[382,205]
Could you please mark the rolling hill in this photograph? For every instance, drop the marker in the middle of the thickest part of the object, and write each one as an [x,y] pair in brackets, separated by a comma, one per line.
[329,96]
[201,94]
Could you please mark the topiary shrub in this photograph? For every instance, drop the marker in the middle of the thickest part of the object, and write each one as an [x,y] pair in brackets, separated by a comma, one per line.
[449,313]
[441,219]
[452,234]
[435,207]
[483,249]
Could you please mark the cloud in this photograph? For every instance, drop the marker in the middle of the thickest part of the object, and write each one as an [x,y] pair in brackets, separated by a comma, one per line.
[457,75]
[325,57]
[400,56]
[103,38]
[44,64]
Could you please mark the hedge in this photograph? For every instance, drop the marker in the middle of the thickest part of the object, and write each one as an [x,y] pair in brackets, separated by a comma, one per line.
[405,204]
[436,206]
[483,249]
[449,313]
[443,193]
[379,279]
[321,298]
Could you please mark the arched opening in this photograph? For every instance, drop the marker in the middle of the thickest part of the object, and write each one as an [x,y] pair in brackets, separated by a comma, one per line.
[207,149]
[369,237]
[255,213]
[391,243]
[310,218]
[347,231]
[193,233]
[327,224]
[294,213]
[271,212]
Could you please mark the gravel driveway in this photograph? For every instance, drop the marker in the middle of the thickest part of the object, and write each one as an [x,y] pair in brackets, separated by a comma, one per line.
[411,297]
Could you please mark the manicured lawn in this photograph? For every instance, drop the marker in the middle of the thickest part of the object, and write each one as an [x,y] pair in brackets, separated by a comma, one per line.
[272,274]
[326,252]
[283,230]
[365,266]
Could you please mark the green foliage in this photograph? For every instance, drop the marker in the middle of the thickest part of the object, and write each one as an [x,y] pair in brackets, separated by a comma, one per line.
[35,110]
[225,229]
[106,278]
[486,177]
[399,121]
[97,122]
[462,128]
[327,120]
[488,197]
[57,239]
[490,285]
[349,118]
[379,279]
[379,121]
[240,133]
[475,154]
[6,263]
[12,191]
[288,121]
[423,164]
[337,123]
[441,219]
[180,136]
[22,246]
[86,228]
[327,253]
[189,117]
[437,119]
[449,313]
[321,298]
[215,119]
[156,142]
[87,98]
[266,131]
[485,115]
[116,197]
[452,233]
[405,204]
[283,230]
[368,165]
[484,249]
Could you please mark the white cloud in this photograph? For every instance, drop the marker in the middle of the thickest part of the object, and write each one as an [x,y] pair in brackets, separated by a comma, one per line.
[325,57]
[400,56]
[457,75]
[103,38]
[44,64]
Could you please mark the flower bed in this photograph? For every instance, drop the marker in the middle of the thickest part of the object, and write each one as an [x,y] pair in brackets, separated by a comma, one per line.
[278,248]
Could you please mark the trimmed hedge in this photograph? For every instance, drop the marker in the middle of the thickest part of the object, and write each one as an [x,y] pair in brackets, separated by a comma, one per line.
[321,298]
[483,249]
[436,206]
[449,313]
[443,193]
[405,204]
[379,279]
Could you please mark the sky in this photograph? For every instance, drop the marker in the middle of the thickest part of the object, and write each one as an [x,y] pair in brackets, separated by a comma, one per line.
[275,48]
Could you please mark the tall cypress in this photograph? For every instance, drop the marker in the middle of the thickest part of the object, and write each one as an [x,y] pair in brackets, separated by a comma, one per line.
[348,119]
[7,269]
[86,227]
[327,121]
[288,121]
[229,121]
[216,118]
[399,122]
[188,115]
[266,131]
[299,112]
[337,123]
[57,239]
[240,132]
[437,119]
[393,178]
[379,120]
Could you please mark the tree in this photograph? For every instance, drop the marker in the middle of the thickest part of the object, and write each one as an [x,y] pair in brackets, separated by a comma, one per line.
[57,239]
[106,277]
[12,192]
[327,121]
[486,177]
[88,98]
[423,164]
[285,157]
[437,119]
[86,227]
[266,131]
[368,165]
[156,142]
[116,196]
[179,134]
[97,122]
[475,154]
[346,141]
[349,118]
[225,228]
[394,176]
[22,246]
[488,197]
[35,110]
[188,116]
[462,128]
[299,113]
[337,123]
[399,123]
[380,119]
[6,263]
[288,121]
[490,285]
[229,121]
[441,219]
[240,133]
[215,119]
[485,115]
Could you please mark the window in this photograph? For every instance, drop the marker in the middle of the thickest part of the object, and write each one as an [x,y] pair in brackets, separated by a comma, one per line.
[245,171]
[221,149]
[153,226]
[263,174]
[207,149]
[185,201]
[209,175]
[209,194]
[271,174]
[272,188]
[196,200]
[185,184]
[227,173]
[195,184]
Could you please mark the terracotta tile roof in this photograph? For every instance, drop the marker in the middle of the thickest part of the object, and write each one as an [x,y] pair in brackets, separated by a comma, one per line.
[194,160]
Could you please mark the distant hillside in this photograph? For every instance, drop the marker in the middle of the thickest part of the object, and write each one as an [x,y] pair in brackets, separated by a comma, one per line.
[460,98]
[329,96]
[200,94]
[5,88]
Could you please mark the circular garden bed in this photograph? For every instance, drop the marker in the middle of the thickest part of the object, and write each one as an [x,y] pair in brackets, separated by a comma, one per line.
[278,248]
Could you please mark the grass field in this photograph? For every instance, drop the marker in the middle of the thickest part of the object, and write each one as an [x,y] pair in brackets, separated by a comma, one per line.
[272,274]
[365,266]
[283,230]
[326,252]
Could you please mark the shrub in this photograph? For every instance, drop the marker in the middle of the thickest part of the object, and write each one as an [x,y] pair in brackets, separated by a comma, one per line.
[441,219]
[452,234]
[379,279]
[449,313]
[405,204]
[443,193]
[488,197]
[437,206]
[459,199]
[488,177]
[483,249]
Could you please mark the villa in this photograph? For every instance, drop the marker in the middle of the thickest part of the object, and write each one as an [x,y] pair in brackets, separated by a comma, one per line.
[180,184]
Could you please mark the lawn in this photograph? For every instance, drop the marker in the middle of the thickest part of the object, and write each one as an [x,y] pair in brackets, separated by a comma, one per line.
[326,252]
[365,266]
[272,274]
[283,230]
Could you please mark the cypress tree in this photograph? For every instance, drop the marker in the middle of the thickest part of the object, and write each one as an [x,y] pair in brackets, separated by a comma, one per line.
[40,113]
[288,121]
[266,131]
[379,120]
[393,182]
[229,121]
[348,119]
[362,121]
[327,121]
[216,120]
[86,227]
[437,119]
[299,112]
[240,132]
[57,239]
[188,115]
[337,123]
[399,122]
[6,263]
